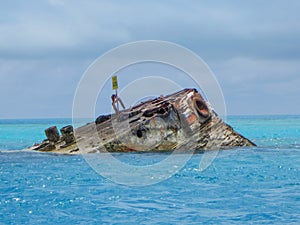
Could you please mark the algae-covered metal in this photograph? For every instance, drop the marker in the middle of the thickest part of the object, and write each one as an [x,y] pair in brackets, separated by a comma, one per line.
[181,121]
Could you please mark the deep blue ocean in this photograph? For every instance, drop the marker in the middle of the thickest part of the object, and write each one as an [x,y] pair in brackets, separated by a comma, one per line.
[259,185]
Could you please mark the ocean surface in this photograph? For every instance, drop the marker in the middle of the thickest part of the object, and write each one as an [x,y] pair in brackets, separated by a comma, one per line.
[259,185]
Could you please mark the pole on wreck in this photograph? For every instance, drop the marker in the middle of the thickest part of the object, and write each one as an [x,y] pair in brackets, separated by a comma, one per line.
[115,86]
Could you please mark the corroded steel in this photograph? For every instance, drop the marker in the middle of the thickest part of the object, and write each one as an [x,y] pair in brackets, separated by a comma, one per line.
[181,121]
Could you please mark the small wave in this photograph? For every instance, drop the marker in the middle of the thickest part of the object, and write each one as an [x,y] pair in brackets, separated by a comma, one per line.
[11,150]
[15,151]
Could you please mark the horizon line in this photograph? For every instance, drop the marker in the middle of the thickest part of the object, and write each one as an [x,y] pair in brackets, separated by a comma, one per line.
[84,118]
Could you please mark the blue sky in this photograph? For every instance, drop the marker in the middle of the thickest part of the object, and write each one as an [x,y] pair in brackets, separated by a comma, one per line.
[253,48]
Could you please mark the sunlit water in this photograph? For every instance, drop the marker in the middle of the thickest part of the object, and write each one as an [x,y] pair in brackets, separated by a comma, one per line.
[258,185]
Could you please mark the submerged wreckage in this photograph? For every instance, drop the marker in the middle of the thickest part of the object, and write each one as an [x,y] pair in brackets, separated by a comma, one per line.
[181,121]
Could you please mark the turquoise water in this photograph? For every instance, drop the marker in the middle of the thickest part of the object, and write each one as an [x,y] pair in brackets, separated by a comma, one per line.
[258,185]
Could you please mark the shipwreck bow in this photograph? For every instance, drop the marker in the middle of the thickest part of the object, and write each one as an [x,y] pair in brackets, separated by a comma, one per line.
[181,121]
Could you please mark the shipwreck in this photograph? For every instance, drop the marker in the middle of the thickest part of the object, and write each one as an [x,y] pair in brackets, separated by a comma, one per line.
[181,121]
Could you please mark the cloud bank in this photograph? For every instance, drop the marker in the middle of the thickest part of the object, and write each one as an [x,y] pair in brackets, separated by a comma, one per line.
[253,47]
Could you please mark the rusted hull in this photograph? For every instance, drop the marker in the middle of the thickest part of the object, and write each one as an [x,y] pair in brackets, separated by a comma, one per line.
[180,121]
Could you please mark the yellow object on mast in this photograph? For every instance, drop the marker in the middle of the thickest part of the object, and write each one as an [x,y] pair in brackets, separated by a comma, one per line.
[115,87]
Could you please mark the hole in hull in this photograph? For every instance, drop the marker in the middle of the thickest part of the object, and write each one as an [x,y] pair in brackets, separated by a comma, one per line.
[201,108]
[139,133]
